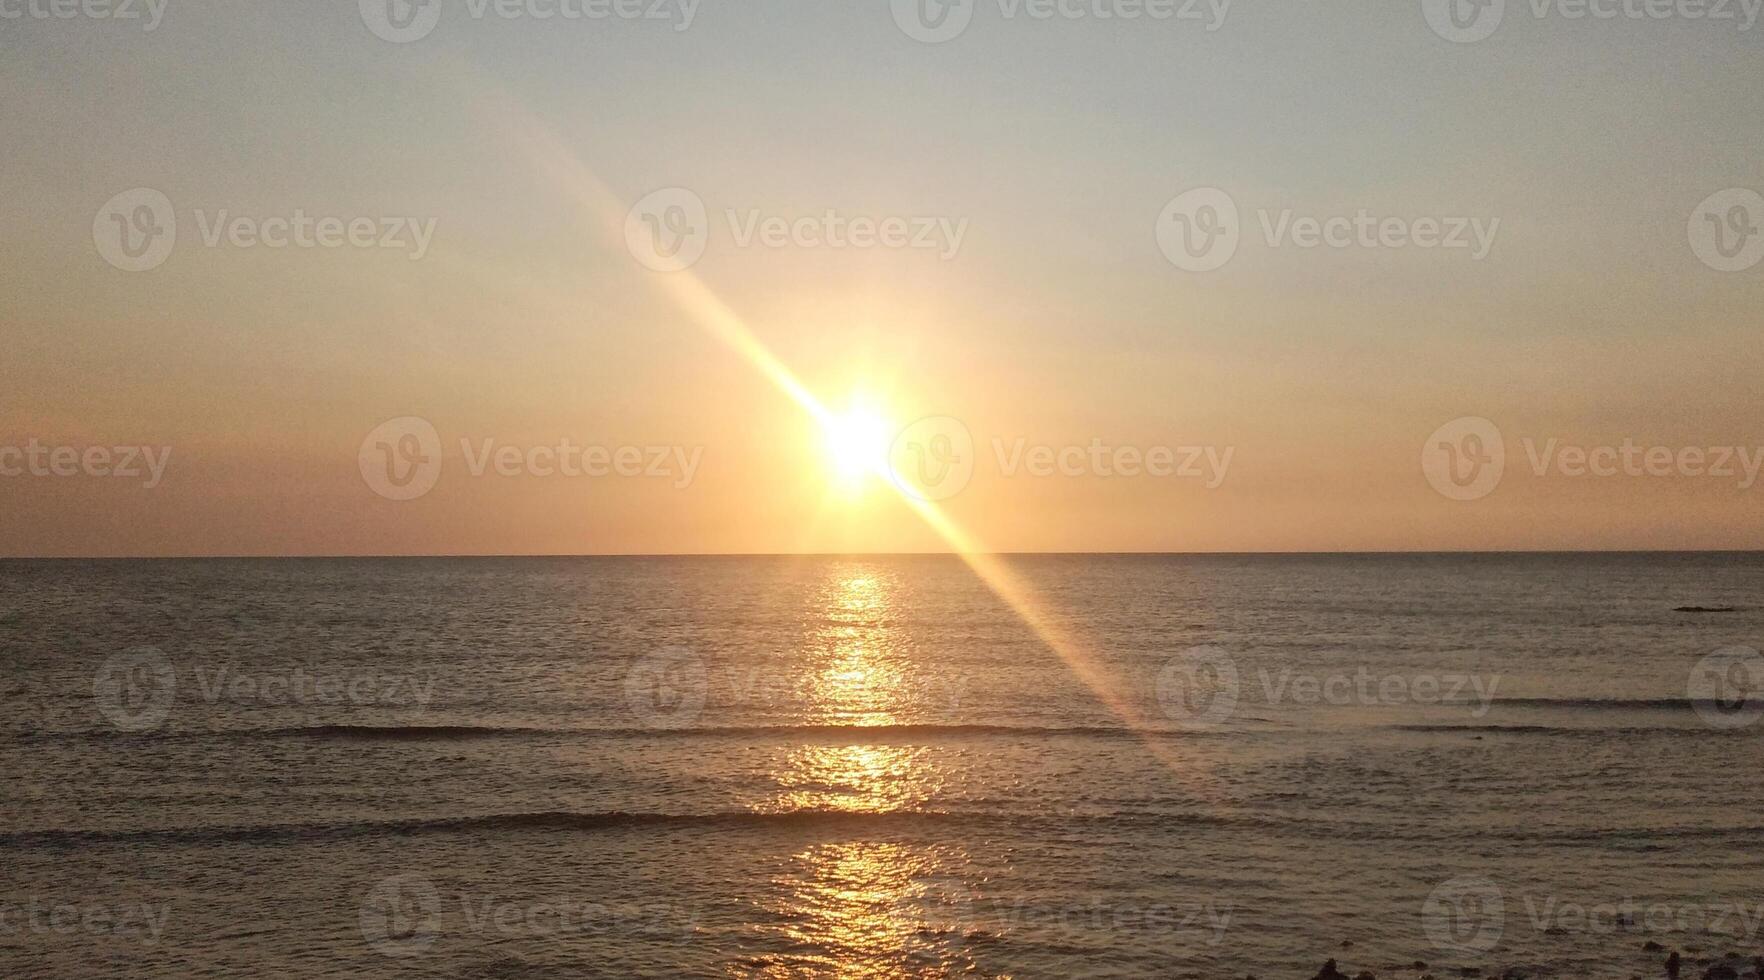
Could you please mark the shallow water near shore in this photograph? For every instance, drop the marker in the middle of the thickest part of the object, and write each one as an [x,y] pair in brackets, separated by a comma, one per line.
[872,766]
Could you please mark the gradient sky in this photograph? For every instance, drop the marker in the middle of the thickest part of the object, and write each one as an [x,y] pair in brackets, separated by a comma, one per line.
[1059,321]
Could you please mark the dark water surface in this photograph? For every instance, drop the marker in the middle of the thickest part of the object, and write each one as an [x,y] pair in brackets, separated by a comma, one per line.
[872,766]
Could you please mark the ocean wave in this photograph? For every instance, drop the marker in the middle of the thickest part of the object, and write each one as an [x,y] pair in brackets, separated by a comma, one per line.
[487,823]
[371,732]
[472,732]
[1600,731]
[841,821]
[1621,704]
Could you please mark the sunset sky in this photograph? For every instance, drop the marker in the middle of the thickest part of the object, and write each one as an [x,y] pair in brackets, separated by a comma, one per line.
[1053,146]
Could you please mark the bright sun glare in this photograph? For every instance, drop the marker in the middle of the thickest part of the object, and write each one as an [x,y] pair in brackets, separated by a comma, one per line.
[857,443]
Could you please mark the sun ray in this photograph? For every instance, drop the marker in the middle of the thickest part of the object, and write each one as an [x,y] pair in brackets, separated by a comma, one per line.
[711,314]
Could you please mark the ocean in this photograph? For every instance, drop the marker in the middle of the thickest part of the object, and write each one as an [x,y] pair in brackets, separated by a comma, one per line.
[877,767]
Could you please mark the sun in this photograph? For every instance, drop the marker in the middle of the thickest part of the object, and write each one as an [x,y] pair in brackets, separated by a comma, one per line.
[856,443]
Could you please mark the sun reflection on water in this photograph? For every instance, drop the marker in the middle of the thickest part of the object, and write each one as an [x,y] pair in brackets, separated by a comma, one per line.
[855,779]
[855,677]
[862,907]
[866,909]
[855,669]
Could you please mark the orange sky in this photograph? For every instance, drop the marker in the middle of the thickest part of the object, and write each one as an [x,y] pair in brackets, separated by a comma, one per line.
[1037,162]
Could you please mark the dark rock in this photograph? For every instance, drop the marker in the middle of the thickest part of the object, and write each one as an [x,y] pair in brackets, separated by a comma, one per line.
[1329,972]
[1652,947]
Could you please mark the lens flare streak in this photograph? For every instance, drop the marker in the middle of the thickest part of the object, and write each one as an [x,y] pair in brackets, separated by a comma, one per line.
[711,314]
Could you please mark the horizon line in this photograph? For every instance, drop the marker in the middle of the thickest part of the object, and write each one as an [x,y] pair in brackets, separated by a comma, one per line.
[899,554]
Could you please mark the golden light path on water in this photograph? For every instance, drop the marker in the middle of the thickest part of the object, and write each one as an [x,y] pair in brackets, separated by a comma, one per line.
[863,907]
[711,314]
